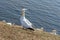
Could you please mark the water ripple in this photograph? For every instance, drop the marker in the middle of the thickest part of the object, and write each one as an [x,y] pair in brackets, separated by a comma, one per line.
[42,13]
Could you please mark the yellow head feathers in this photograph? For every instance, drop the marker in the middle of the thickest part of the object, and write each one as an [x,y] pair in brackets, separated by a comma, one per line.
[23,12]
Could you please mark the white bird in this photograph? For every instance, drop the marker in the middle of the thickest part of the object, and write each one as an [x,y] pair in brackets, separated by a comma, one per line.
[53,32]
[41,29]
[25,22]
[9,23]
[3,20]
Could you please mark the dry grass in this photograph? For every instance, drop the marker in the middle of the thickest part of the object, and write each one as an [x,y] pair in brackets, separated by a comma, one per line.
[15,32]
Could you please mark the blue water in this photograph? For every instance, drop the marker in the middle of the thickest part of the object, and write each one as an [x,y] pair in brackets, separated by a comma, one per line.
[42,13]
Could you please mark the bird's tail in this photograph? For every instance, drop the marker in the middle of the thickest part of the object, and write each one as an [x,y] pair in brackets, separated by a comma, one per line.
[31,29]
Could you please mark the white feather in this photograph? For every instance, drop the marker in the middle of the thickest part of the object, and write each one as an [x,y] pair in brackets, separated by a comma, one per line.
[25,22]
[9,23]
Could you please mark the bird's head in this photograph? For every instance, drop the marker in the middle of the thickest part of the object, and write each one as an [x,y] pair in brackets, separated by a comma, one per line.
[23,12]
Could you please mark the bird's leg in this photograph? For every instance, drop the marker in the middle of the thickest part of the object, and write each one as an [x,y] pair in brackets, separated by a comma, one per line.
[24,28]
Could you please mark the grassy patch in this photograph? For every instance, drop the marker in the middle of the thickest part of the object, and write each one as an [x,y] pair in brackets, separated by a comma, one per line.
[15,32]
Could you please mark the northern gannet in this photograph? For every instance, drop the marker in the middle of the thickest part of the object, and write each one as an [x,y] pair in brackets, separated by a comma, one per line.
[9,24]
[54,32]
[25,22]
[41,29]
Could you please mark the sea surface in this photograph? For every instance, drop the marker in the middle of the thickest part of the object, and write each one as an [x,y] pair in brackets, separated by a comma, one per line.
[41,13]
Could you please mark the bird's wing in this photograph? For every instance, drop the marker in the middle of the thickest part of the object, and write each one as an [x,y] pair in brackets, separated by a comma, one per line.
[28,22]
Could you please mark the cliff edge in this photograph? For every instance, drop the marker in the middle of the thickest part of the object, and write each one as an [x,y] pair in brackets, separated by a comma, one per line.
[15,32]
